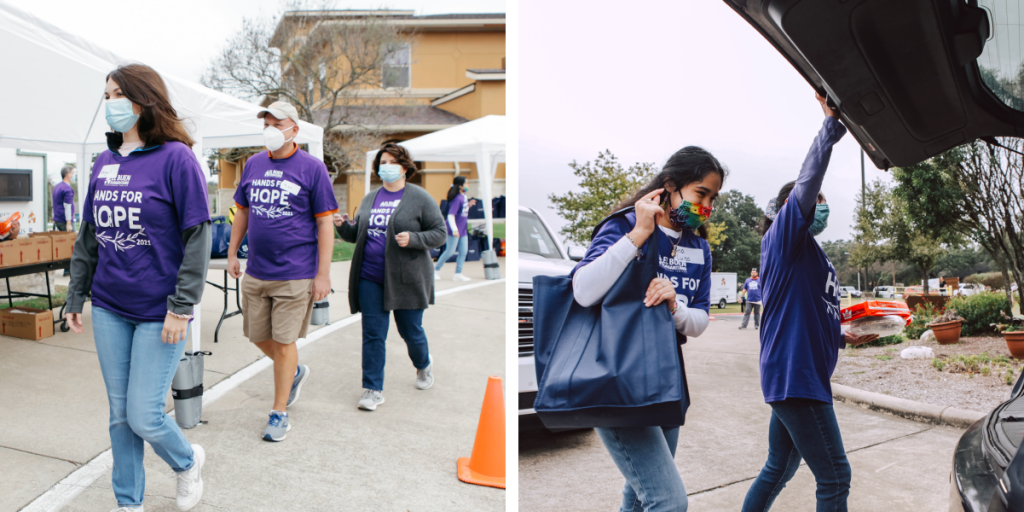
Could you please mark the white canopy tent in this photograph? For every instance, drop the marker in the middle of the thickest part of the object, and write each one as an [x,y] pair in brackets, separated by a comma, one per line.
[54,102]
[481,141]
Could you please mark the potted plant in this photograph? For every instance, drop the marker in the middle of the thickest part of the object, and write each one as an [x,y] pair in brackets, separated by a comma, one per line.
[946,327]
[1014,336]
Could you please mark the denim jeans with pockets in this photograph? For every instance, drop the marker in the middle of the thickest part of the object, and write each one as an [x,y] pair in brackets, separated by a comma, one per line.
[137,369]
[646,457]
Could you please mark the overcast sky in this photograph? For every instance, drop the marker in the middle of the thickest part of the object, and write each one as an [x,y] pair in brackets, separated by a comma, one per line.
[644,83]
[183,37]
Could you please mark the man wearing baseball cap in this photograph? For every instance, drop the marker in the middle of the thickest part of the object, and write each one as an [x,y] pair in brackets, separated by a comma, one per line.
[286,202]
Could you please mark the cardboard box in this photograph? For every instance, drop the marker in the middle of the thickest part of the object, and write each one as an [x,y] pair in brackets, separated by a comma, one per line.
[62,243]
[43,247]
[26,323]
[17,252]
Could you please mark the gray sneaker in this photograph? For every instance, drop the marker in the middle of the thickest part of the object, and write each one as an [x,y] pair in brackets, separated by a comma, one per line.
[425,377]
[300,379]
[277,427]
[371,399]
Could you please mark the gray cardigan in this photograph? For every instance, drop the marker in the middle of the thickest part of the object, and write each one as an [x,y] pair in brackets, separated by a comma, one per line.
[408,271]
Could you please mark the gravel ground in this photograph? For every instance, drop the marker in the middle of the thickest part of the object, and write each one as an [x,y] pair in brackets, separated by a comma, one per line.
[917,379]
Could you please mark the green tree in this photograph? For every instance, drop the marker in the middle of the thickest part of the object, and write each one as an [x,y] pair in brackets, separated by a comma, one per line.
[741,251]
[885,231]
[975,190]
[603,184]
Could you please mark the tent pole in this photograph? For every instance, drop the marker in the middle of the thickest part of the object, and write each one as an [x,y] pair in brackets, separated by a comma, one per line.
[483,169]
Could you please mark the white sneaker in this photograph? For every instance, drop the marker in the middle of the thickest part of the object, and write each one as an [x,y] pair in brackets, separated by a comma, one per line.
[128,509]
[460,277]
[190,483]
[437,276]
[425,377]
[371,399]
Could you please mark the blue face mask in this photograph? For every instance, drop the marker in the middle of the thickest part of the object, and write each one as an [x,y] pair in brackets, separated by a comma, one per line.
[390,173]
[820,219]
[120,116]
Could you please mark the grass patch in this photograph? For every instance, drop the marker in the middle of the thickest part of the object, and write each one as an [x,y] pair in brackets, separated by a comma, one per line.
[60,295]
[343,251]
[883,357]
[979,364]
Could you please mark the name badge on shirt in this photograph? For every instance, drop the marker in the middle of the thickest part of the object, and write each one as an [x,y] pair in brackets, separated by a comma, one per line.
[290,187]
[690,255]
[109,171]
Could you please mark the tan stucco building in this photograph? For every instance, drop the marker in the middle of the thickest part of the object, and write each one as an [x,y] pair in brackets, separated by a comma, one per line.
[451,73]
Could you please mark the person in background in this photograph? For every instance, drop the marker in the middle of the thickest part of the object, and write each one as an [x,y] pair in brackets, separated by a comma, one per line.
[677,202]
[801,339]
[752,300]
[143,252]
[64,204]
[458,237]
[64,201]
[395,228]
[285,202]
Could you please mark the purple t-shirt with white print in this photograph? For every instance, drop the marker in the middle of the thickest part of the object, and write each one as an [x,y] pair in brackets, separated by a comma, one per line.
[63,194]
[140,205]
[459,207]
[373,252]
[284,197]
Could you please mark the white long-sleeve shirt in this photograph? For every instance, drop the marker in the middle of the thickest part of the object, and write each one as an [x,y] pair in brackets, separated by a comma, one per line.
[591,283]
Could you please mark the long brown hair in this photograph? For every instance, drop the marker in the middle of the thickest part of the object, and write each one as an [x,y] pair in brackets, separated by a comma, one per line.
[401,155]
[688,165]
[158,122]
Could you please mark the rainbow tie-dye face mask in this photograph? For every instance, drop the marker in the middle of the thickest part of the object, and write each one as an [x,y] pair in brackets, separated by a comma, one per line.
[689,215]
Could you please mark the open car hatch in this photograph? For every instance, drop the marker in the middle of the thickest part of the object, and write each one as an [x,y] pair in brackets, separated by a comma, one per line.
[911,78]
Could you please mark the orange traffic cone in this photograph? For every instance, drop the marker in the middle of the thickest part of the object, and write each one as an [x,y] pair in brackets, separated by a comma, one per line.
[487,464]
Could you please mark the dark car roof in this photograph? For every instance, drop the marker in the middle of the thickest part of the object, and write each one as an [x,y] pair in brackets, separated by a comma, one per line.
[904,74]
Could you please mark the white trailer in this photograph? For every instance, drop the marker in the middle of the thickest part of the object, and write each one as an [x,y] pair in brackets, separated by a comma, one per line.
[23,182]
[723,288]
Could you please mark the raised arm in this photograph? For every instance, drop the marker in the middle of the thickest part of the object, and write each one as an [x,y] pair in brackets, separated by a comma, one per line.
[812,173]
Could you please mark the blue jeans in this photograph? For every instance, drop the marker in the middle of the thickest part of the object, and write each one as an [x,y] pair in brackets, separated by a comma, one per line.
[645,456]
[137,369]
[449,248]
[803,428]
[375,333]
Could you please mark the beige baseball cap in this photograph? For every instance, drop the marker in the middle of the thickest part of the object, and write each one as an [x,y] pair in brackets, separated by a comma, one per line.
[280,110]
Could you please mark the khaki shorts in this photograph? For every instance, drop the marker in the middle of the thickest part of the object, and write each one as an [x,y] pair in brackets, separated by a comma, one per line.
[276,310]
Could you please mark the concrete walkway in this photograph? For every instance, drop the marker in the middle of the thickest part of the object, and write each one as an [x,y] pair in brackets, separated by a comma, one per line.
[401,457]
[898,464]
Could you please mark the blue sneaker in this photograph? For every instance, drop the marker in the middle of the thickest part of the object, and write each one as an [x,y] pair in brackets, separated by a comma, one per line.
[300,379]
[277,428]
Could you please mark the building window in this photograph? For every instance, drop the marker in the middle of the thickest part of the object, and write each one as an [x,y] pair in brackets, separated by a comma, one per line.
[397,71]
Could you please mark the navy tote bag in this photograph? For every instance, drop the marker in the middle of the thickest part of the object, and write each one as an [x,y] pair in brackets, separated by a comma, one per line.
[617,363]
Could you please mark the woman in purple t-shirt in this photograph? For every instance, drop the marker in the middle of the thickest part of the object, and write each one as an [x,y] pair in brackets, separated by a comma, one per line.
[395,228]
[458,237]
[142,254]
[801,337]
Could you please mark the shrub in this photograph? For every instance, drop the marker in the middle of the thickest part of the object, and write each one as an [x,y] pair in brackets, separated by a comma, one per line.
[923,315]
[980,311]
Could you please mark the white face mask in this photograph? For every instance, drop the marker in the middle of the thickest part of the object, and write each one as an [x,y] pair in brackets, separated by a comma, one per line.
[275,138]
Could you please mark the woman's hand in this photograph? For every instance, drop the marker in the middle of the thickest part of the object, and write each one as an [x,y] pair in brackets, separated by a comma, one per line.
[854,340]
[825,108]
[175,329]
[15,229]
[402,239]
[340,218]
[648,211]
[660,290]
[74,321]
[472,203]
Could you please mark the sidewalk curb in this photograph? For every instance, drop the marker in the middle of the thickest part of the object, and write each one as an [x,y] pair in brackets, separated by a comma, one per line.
[910,409]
